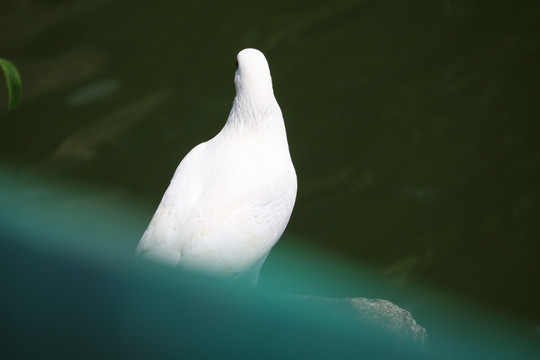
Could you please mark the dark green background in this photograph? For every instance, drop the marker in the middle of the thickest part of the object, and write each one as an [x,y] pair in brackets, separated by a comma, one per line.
[413,125]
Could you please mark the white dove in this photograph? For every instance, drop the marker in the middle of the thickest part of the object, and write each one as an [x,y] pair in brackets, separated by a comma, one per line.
[231,197]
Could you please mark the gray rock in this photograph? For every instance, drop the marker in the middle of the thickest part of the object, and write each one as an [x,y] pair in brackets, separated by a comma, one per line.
[379,313]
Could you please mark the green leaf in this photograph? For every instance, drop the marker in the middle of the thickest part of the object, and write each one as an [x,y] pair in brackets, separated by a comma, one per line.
[13,80]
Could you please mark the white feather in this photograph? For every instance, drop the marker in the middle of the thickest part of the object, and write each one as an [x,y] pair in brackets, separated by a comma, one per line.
[231,197]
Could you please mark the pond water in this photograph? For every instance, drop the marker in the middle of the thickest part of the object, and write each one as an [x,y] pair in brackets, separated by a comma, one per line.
[413,127]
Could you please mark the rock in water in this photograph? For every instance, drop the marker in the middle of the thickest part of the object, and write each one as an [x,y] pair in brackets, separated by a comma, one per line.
[375,313]
[231,197]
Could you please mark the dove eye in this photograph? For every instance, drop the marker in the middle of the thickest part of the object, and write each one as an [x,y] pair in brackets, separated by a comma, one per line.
[237,64]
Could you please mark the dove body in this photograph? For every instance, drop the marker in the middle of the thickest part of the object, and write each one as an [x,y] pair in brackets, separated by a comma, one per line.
[231,197]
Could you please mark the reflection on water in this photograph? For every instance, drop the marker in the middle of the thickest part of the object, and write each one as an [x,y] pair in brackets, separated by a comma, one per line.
[413,127]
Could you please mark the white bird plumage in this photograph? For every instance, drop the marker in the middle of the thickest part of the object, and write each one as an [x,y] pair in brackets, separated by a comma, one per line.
[231,197]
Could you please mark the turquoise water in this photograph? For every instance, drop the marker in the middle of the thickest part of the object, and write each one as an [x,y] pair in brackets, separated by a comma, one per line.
[413,127]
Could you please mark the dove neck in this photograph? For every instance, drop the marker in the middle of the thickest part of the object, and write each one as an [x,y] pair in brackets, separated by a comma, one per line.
[256,113]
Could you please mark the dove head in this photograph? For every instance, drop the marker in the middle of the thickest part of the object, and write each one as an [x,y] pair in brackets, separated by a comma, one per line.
[252,77]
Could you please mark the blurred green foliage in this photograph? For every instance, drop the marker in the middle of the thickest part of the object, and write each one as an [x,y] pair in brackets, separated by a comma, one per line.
[13,82]
[71,288]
